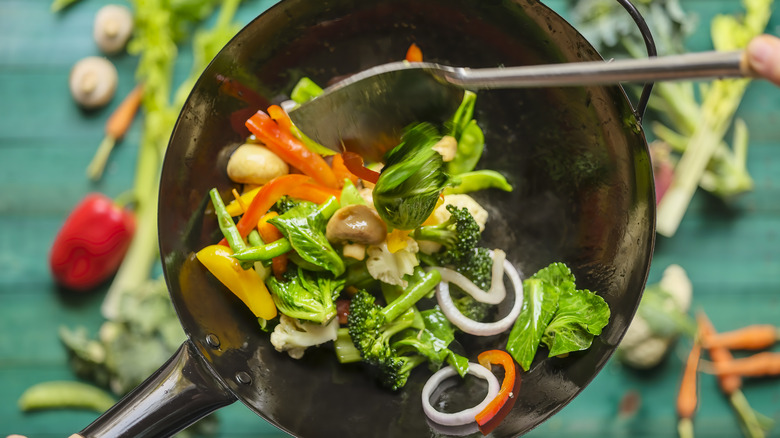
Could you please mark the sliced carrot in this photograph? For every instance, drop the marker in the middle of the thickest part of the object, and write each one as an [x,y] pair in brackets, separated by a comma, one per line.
[354,163]
[754,337]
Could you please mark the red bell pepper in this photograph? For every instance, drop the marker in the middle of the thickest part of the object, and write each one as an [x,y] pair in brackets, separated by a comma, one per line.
[91,243]
[290,149]
[497,357]
[341,171]
[266,197]
[354,163]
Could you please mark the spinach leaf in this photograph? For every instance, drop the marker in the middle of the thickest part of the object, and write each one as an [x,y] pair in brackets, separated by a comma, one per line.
[432,342]
[581,316]
[304,226]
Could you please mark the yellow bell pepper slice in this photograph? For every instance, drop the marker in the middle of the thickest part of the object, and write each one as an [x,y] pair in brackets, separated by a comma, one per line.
[244,283]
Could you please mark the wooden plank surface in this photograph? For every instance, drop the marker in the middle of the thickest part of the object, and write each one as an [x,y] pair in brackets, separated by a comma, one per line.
[732,252]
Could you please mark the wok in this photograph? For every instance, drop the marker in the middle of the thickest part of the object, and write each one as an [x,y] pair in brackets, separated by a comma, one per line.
[584,195]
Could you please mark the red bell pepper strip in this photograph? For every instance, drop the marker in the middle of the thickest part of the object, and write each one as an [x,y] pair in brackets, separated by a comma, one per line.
[290,149]
[497,357]
[91,243]
[354,163]
[414,54]
[265,199]
[341,171]
[313,192]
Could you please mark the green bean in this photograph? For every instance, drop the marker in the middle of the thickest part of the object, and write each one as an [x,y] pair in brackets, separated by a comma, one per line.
[479,180]
[65,394]
[226,224]
[263,252]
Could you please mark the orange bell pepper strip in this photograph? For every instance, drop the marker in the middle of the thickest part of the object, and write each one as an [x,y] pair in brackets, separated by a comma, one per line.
[245,284]
[313,192]
[341,171]
[290,149]
[497,357]
[269,233]
[354,163]
[265,198]
[414,54]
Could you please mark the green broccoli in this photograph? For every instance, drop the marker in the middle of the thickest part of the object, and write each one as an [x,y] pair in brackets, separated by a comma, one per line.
[370,327]
[284,204]
[459,235]
[307,295]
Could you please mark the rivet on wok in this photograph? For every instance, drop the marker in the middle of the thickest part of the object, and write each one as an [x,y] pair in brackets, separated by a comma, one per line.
[212,340]
[243,377]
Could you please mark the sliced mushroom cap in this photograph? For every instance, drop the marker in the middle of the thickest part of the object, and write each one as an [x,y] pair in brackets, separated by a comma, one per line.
[356,224]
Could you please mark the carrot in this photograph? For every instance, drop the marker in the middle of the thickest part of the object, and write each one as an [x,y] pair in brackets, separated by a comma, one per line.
[758,365]
[354,163]
[729,383]
[687,398]
[270,233]
[753,337]
[414,54]
[116,127]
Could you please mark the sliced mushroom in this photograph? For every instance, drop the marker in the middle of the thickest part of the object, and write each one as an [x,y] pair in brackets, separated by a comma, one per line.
[112,28]
[356,224]
[93,82]
[255,164]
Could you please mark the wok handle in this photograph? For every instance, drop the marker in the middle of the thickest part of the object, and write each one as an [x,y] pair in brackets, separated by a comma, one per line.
[180,393]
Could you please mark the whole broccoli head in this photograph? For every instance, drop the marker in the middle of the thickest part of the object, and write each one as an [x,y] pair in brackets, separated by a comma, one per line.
[458,235]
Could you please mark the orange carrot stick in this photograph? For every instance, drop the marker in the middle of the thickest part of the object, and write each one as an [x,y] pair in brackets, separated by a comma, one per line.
[270,233]
[757,365]
[729,383]
[687,398]
[753,337]
[116,127]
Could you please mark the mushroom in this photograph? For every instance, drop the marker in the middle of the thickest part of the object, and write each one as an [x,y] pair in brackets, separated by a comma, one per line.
[93,82]
[255,164]
[356,223]
[112,28]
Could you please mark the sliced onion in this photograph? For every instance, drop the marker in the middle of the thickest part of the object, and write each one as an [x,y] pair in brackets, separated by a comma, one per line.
[465,416]
[482,328]
[497,291]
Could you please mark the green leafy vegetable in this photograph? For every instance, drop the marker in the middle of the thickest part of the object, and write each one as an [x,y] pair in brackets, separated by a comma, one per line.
[304,226]
[476,180]
[305,295]
[555,313]
[412,179]
[432,342]
[305,90]
[580,317]
[350,195]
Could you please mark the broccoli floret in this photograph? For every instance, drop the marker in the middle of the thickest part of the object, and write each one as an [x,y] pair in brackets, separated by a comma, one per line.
[371,326]
[459,235]
[397,369]
[284,204]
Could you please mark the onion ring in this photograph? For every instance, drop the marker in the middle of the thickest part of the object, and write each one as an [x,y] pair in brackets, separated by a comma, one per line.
[482,328]
[497,291]
[465,416]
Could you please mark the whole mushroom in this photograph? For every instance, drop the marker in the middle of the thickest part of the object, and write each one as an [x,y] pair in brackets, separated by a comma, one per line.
[356,223]
[93,82]
[112,28]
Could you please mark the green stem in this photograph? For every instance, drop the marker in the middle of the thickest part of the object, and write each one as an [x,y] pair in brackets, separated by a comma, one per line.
[419,289]
[98,163]
[747,416]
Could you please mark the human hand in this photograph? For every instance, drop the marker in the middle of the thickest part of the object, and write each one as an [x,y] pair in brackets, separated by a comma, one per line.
[763,55]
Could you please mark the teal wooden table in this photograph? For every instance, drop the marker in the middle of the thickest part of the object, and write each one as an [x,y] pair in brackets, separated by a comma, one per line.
[731,252]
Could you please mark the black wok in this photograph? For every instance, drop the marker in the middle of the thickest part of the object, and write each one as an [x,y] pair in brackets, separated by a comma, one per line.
[577,158]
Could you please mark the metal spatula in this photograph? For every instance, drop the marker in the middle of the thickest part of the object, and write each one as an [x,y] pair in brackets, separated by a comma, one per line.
[366,112]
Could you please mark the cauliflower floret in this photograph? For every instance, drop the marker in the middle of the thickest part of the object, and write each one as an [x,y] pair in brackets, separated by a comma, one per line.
[441,214]
[390,267]
[295,336]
